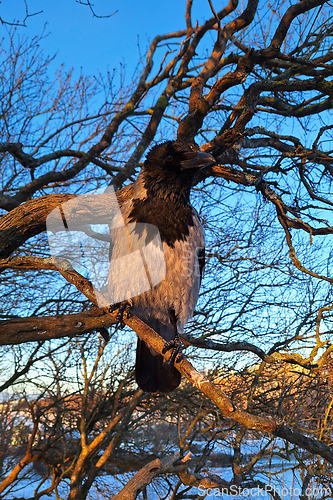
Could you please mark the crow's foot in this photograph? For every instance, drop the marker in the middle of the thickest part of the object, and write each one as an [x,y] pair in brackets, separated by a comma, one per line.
[176,344]
[176,347]
[122,308]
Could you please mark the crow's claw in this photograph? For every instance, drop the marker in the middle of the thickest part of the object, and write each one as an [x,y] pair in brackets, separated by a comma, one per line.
[175,344]
[122,308]
[176,347]
[170,345]
[177,355]
[114,307]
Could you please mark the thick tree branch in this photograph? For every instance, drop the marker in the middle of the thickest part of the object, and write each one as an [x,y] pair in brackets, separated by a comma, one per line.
[22,330]
[29,219]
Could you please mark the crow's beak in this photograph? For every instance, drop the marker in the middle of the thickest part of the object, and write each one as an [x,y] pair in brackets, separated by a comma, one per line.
[198,160]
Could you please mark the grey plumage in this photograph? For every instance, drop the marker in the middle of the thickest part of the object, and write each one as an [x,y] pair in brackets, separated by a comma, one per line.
[161,197]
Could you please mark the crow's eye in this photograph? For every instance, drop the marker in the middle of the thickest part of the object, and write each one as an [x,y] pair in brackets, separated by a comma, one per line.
[169,158]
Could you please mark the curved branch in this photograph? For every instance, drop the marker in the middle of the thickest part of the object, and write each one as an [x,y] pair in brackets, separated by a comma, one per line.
[166,465]
[293,11]
[205,343]
[29,219]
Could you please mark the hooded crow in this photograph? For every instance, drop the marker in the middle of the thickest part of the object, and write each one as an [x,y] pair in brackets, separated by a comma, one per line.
[161,197]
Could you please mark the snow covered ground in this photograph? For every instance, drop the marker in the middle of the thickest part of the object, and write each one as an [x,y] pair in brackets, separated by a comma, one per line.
[275,474]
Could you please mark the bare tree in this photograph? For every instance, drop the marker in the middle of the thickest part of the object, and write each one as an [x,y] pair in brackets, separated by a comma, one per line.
[259,100]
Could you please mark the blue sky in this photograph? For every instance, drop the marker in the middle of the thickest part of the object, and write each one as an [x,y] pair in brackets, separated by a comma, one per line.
[93,44]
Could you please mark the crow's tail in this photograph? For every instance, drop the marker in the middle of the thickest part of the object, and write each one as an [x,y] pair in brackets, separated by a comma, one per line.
[152,373]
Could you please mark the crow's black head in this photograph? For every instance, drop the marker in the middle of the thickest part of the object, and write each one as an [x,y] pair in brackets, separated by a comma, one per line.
[174,157]
[171,166]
